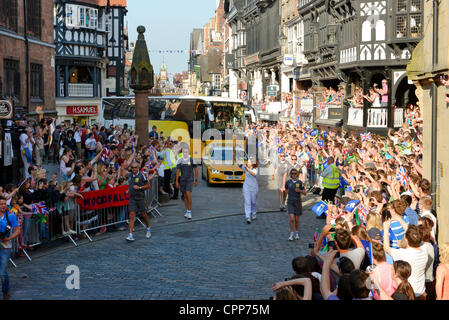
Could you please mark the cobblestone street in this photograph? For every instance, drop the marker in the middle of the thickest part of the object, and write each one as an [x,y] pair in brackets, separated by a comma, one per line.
[214,256]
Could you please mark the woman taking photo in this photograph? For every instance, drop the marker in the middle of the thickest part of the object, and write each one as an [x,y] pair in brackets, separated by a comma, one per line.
[250,189]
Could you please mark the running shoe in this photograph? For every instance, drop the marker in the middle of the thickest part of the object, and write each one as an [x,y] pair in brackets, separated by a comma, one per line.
[148,235]
[248,221]
[130,237]
[188,215]
[291,238]
[297,236]
[254,216]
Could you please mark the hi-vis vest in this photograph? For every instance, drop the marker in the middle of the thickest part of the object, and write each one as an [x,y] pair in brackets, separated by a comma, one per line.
[332,182]
[172,159]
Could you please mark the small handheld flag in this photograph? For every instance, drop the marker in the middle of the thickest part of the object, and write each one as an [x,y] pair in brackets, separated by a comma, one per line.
[314,132]
[350,206]
[320,143]
[41,211]
[320,208]
[105,154]
[366,136]
[324,134]
[368,249]
[302,143]
[402,177]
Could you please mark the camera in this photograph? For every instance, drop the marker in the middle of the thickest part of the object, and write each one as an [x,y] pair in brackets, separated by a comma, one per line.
[311,245]
[332,245]
[5,233]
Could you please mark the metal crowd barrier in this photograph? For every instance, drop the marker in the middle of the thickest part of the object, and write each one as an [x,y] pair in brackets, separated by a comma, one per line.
[37,232]
[91,220]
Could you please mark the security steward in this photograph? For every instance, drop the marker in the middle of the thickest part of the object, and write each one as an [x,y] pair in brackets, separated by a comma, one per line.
[138,183]
[169,160]
[331,181]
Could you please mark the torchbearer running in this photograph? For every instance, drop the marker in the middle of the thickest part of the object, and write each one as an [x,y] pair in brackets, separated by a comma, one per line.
[138,183]
[295,188]
[186,168]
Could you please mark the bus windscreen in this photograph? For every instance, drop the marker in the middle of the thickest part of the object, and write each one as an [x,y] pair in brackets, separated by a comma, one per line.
[228,115]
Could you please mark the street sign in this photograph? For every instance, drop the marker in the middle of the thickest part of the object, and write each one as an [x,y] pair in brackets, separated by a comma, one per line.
[272,90]
[6,109]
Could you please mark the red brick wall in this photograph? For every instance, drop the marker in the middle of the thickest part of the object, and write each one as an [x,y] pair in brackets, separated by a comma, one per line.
[15,49]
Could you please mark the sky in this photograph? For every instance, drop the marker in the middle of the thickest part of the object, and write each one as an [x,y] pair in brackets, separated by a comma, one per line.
[168,24]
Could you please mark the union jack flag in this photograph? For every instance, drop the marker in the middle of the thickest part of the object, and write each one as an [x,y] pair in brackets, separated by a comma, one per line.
[362,212]
[39,208]
[105,154]
[402,177]
[366,136]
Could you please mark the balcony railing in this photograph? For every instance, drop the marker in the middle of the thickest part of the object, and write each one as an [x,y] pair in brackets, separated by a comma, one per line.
[77,90]
[377,118]
[398,117]
[81,90]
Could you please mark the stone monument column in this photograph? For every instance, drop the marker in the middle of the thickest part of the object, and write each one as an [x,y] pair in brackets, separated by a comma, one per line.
[142,80]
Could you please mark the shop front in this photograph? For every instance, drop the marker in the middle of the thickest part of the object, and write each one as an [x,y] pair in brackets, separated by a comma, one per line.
[81,112]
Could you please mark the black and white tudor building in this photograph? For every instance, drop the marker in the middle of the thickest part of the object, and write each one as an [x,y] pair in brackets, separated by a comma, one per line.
[90,49]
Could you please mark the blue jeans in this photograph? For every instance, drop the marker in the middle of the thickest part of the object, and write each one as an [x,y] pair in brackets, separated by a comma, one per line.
[44,231]
[90,154]
[4,260]
[121,217]
[26,223]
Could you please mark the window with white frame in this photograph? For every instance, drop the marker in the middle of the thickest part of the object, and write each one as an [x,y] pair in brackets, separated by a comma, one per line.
[100,22]
[93,23]
[290,41]
[108,23]
[69,16]
[81,17]
[216,81]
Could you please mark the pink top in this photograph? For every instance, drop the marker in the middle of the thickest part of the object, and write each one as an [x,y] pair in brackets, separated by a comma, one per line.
[386,282]
[385,94]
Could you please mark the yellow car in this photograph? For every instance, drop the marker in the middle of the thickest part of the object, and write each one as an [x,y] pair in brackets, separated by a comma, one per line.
[220,167]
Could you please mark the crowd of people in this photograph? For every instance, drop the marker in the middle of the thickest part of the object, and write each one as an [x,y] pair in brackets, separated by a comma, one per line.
[379,221]
[379,225]
[90,158]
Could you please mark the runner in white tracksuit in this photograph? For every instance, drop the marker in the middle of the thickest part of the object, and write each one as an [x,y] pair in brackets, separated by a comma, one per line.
[250,190]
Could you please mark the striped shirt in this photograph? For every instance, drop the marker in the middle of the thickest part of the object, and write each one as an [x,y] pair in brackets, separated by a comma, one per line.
[398,232]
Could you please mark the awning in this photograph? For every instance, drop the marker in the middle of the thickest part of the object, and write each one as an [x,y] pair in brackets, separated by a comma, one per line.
[329,122]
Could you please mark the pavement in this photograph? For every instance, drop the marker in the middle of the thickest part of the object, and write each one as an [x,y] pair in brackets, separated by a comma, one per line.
[216,255]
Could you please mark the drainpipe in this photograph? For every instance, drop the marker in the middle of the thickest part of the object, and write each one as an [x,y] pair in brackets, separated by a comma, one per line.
[27,58]
[434,103]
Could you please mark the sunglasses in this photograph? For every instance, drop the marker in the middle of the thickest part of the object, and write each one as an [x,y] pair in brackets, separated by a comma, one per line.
[134,167]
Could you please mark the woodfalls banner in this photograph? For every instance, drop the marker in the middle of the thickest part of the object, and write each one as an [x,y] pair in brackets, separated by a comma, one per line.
[106,198]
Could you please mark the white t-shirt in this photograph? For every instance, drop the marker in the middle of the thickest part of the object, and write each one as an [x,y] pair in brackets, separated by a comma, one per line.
[160,171]
[77,136]
[417,258]
[356,256]
[91,144]
[303,158]
[23,144]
